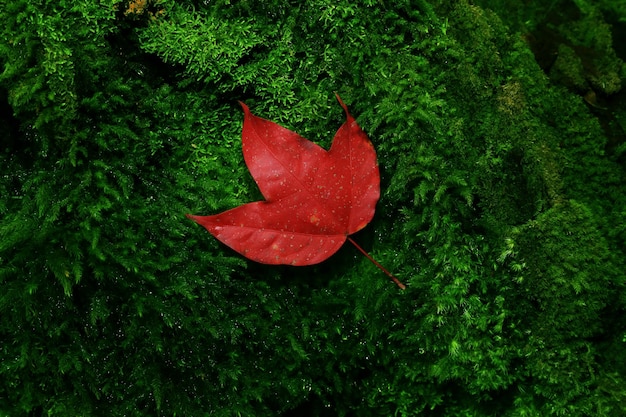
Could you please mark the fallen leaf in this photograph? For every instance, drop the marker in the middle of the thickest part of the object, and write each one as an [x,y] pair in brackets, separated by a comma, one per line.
[314,199]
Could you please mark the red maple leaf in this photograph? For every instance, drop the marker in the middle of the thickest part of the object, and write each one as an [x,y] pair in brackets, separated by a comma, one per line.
[314,199]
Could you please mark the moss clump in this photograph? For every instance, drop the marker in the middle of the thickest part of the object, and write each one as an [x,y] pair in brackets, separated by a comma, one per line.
[502,209]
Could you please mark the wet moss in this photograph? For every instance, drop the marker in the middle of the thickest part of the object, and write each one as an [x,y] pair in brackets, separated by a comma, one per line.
[501,209]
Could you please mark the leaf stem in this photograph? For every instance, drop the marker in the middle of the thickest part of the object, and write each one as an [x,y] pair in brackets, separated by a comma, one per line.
[367,255]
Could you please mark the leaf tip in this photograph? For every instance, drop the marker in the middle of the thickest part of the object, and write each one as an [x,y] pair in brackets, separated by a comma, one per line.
[243,106]
[343,105]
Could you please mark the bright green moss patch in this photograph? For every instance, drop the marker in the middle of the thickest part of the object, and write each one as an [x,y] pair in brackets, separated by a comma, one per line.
[502,210]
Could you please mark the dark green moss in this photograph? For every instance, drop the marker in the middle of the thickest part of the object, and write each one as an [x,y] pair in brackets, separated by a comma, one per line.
[502,210]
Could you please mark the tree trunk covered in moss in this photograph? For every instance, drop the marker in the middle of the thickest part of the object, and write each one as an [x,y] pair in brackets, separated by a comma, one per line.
[501,144]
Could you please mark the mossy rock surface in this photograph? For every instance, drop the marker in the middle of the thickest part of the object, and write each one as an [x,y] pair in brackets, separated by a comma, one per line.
[503,209]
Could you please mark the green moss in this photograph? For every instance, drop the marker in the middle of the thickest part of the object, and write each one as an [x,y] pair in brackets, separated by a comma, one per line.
[502,209]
